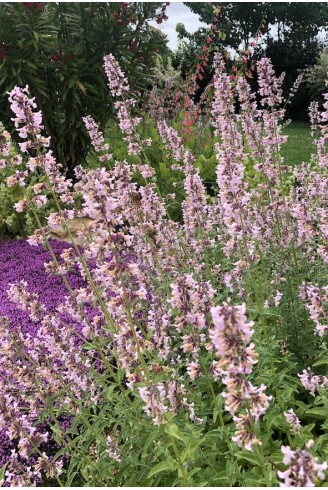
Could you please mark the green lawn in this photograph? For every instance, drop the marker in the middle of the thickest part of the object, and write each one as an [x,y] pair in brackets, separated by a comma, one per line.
[299,145]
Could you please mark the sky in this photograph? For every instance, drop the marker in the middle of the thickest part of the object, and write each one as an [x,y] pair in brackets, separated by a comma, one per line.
[177,12]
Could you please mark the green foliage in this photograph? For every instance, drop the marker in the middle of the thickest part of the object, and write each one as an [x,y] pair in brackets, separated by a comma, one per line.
[316,75]
[12,223]
[58,48]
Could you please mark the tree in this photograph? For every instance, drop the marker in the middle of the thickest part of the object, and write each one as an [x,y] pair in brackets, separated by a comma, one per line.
[241,20]
[58,48]
[296,46]
[289,33]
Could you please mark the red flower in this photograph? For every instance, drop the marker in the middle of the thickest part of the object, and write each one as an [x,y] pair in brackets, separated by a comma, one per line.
[3,50]
[133,44]
[30,5]
[205,48]
[56,57]
[208,39]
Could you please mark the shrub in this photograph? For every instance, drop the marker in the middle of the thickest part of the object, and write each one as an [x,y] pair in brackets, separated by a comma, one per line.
[315,76]
[203,362]
[57,49]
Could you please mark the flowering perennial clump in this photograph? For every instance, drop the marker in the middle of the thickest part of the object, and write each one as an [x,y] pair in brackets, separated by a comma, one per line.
[163,324]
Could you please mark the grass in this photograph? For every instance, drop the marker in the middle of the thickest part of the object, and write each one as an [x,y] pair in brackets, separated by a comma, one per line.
[299,146]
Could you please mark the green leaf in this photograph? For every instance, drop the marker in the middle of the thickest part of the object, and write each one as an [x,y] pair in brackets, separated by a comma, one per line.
[169,465]
[2,473]
[320,413]
[249,456]
[81,87]
[321,362]
[69,481]
[173,430]
[72,81]
[84,473]
[250,482]
[224,481]
[89,346]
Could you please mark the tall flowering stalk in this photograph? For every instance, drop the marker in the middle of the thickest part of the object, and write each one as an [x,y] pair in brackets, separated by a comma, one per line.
[231,337]
[117,82]
[118,86]
[97,138]
[231,158]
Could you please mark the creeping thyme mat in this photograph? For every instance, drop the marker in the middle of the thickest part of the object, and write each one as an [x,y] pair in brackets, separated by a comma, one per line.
[20,261]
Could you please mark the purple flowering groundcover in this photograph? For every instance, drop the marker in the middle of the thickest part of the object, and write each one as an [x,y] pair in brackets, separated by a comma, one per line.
[20,261]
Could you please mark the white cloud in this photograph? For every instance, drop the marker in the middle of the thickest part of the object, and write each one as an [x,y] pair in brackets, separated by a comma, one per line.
[178,12]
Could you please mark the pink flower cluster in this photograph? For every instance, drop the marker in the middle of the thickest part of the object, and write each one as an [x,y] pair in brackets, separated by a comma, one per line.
[293,421]
[192,300]
[27,122]
[230,337]
[117,82]
[313,382]
[316,302]
[303,468]
[97,138]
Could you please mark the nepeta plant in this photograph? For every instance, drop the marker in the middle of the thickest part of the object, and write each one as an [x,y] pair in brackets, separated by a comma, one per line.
[193,352]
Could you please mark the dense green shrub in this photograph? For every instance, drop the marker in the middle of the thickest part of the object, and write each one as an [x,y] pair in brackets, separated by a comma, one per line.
[58,48]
